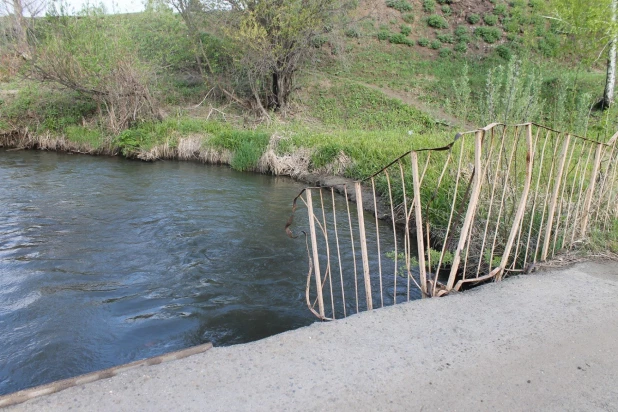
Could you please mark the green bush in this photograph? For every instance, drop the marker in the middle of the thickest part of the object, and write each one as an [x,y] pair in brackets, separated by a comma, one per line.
[437,22]
[352,32]
[435,44]
[445,52]
[423,42]
[319,40]
[504,52]
[446,10]
[405,30]
[473,18]
[549,45]
[462,34]
[408,18]
[490,19]
[500,10]
[400,38]
[488,34]
[446,38]
[429,6]
[445,1]
[383,35]
[399,5]
[461,47]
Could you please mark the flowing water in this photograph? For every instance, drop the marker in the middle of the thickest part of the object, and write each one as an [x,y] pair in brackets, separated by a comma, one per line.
[104,261]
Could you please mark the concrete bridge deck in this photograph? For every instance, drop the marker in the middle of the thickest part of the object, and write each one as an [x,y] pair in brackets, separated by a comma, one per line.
[547,341]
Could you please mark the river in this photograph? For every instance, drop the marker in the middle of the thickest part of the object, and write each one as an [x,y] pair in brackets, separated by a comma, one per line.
[104,261]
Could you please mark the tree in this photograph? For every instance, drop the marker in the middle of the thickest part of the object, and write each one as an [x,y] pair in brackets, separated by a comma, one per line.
[267,41]
[19,10]
[592,27]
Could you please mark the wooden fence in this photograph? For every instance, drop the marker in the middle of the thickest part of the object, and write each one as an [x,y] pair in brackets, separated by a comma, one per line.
[493,202]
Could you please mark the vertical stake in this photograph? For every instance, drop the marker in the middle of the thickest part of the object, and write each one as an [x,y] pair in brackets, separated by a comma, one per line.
[314,247]
[554,198]
[363,242]
[419,225]
[591,187]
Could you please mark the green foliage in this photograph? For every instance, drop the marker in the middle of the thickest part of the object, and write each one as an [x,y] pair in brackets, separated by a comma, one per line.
[445,52]
[408,18]
[399,5]
[500,10]
[490,19]
[91,138]
[434,257]
[473,18]
[423,42]
[504,51]
[461,47]
[405,30]
[357,107]
[429,6]
[488,34]
[352,32]
[435,44]
[446,38]
[549,45]
[400,38]
[383,35]
[446,10]
[437,22]
[445,1]
[48,109]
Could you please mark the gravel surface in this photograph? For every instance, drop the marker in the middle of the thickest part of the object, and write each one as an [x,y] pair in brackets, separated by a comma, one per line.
[547,341]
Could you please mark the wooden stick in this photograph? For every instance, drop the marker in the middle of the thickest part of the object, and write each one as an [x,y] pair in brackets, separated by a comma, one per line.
[375,209]
[474,198]
[552,206]
[314,248]
[363,242]
[591,187]
[419,224]
[332,192]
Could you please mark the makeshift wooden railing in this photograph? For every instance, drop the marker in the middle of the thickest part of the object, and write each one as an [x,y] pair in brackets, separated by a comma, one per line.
[493,202]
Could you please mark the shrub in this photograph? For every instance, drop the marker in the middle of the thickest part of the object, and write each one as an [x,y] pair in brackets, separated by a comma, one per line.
[445,52]
[429,6]
[446,10]
[490,19]
[383,35]
[435,44]
[405,30]
[504,52]
[423,42]
[319,40]
[473,18]
[461,47]
[437,22]
[500,10]
[399,5]
[462,34]
[399,38]
[445,1]
[446,38]
[488,34]
[548,45]
[352,33]
[408,18]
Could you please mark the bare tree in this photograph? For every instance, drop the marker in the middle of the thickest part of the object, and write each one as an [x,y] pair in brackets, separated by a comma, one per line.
[22,11]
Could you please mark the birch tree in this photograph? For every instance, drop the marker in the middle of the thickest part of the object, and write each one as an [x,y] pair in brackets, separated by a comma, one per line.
[593,31]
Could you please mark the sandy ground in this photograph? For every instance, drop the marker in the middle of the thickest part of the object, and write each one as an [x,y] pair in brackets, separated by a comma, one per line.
[547,341]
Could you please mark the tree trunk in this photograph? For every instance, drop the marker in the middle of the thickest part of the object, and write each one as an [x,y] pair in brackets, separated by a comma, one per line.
[610,81]
[20,28]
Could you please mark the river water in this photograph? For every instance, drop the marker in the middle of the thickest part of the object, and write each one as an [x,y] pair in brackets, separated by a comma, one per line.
[104,261]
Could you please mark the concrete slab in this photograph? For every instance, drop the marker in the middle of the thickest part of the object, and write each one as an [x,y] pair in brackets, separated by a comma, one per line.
[547,341]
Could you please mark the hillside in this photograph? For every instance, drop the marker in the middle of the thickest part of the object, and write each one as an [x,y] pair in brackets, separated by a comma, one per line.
[401,73]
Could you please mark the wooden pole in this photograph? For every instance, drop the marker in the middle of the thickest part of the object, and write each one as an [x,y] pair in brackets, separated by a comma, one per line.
[316,257]
[419,225]
[591,187]
[474,197]
[363,242]
[554,199]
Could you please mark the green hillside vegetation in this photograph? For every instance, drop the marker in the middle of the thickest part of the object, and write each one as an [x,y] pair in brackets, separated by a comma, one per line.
[377,79]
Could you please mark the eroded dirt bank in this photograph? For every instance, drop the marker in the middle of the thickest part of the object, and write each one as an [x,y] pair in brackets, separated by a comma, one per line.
[538,342]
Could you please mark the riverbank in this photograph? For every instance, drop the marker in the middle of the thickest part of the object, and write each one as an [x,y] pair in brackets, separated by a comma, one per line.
[538,342]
